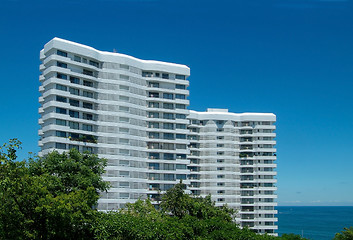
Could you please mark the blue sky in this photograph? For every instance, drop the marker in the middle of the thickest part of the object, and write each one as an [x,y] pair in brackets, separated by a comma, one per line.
[290,57]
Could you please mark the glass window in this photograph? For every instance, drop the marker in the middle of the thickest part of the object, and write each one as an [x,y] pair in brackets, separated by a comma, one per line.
[74,91]
[74,114]
[77,58]
[169,156]
[87,127]
[74,102]
[74,80]
[61,87]
[180,116]
[168,95]
[180,106]
[87,94]
[87,105]
[60,122]
[61,53]
[87,116]
[87,83]
[180,126]
[165,75]
[94,63]
[153,104]
[61,134]
[179,86]
[169,177]
[61,110]
[87,72]
[181,136]
[61,64]
[61,99]
[181,176]
[74,125]
[168,115]
[61,76]
[124,98]
[168,125]
[180,96]
[180,77]
[168,105]
[60,145]
[168,136]
[124,88]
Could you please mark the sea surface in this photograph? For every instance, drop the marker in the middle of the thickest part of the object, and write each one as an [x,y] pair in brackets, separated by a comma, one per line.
[315,223]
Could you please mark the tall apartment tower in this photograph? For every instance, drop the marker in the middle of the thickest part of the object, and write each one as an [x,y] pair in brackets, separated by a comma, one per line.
[130,111]
[232,158]
[135,114]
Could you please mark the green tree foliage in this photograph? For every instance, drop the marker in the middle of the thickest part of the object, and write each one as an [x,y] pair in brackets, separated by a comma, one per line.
[346,234]
[51,197]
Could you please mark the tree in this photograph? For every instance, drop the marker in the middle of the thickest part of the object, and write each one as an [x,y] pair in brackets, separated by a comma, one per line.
[52,197]
[346,234]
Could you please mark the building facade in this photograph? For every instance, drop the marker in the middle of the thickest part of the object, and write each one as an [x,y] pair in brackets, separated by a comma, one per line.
[135,114]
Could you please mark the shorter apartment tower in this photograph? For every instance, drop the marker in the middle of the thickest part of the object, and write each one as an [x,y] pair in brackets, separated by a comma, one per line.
[135,114]
[232,157]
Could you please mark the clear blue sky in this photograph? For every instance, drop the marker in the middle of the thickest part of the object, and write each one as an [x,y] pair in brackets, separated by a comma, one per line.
[290,57]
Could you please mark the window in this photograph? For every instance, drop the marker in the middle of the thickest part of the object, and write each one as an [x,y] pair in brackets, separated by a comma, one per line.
[74,80]
[153,84]
[87,94]
[180,146]
[124,152]
[124,119]
[220,199]
[87,83]
[87,105]
[168,95]
[124,163]
[61,87]
[153,125]
[87,127]
[61,76]
[84,60]
[74,102]
[220,145]
[77,58]
[71,146]
[61,110]
[61,64]
[168,105]
[168,125]
[123,66]
[220,192]
[168,136]
[153,94]
[181,156]
[123,109]
[220,176]
[180,126]
[60,145]
[220,184]
[181,166]
[180,96]
[61,53]
[74,114]
[61,99]
[181,176]
[220,160]
[124,98]
[169,156]
[124,130]
[180,136]
[61,134]
[94,63]
[124,141]
[87,72]
[74,125]
[180,116]
[165,75]
[60,122]
[153,115]
[169,177]
[75,91]
[87,116]
[168,115]
[220,168]
[153,104]
[153,135]
[180,106]
[124,88]
[180,77]
[220,137]
[124,185]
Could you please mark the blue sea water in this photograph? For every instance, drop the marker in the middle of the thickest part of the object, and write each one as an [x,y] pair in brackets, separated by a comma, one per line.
[315,223]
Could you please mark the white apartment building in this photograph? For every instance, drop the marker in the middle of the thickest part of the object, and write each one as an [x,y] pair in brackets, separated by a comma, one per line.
[232,157]
[134,113]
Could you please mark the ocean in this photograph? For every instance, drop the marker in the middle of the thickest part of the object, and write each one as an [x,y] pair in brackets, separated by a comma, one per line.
[315,223]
